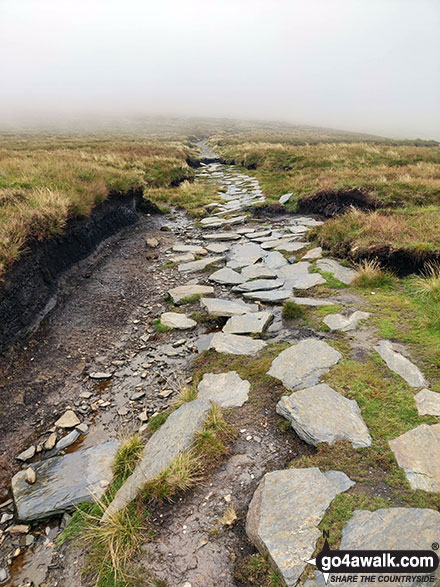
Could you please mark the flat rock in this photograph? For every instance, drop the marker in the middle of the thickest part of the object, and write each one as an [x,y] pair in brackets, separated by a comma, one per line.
[275,296]
[418,453]
[199,265]
[248,253]
[272,243]
[345,323]
[392,529]
[259,285]
[177,321]
[177,294]
[100,375]
[315,253]
[228,390]
[217,248]
[226,308]
[293,270]
[226,276]
[302,364]
[64,482]
[235,344]
[27,454]
[257,271]
[182,258]
[223,236]
[173,438]
[275,260]
[428,402]
[254,323]
[321,414]
[68,420]
[285,512]
[314,301]
[400,364]
[285,198]
[305,281]
[195,249]
[291,247]
[261,233]
[342,273]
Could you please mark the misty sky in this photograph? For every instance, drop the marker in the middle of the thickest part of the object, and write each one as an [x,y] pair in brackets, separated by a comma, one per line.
[363,65]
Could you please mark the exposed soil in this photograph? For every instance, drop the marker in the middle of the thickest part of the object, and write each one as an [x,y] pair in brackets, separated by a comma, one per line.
[32,280]
[93,306]
[330,203]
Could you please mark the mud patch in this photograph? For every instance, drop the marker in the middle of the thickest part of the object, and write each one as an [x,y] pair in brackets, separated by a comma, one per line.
[331,203]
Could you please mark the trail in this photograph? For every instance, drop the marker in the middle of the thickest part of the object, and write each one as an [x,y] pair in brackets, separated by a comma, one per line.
[104,322]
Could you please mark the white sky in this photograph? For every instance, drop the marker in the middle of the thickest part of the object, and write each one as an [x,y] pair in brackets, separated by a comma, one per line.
[362,65]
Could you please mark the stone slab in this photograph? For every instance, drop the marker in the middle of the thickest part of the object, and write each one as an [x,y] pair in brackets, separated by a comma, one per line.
[64,482]
[227,390]
[235,344]
[302,364]
[345,323]
[226,308]
[344,274]
[285,512]
[173,438]
[177,321]
[254,323]
[400,364]
[226,276]
[321,414]
[428,402]
[177,294]
[418,453]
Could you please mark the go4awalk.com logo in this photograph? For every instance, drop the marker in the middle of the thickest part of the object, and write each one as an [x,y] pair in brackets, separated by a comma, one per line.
[376,566]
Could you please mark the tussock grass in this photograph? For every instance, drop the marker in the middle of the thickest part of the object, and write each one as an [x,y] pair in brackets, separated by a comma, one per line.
[127,457]
[428,285]
[292,311]
[372,276]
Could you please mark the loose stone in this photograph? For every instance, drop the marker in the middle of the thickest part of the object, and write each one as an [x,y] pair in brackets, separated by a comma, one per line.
[341,273]
[428,402]
[177,320]
[177,294]
[68,420]
[219,307]
[226,276]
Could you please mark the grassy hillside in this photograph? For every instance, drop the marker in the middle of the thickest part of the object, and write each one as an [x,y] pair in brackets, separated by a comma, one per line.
[45,181]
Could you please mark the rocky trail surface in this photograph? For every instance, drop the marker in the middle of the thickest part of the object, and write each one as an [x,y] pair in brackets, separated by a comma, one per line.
[165,299]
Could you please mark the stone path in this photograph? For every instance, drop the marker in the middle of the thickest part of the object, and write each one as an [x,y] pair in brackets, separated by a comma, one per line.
[252,273]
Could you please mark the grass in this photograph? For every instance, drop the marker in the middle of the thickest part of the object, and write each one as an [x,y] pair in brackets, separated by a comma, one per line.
[372,276]
[292,311]
[255,571]
[46,181]
[159,327]
[113,546]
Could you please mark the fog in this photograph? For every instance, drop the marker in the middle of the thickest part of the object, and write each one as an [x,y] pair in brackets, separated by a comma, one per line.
[360,65]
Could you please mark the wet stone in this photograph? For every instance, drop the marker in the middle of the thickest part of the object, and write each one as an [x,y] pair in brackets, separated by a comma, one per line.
[235,344]
[63,482]
[254,323]
[174,437]
[227,390]
[67,440]
[321,414]
[400,364]
[285,512]
[27,454]
[418,453]
[302,364]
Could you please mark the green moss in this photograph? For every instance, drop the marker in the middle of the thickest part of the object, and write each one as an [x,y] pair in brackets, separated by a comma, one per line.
[159,327]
